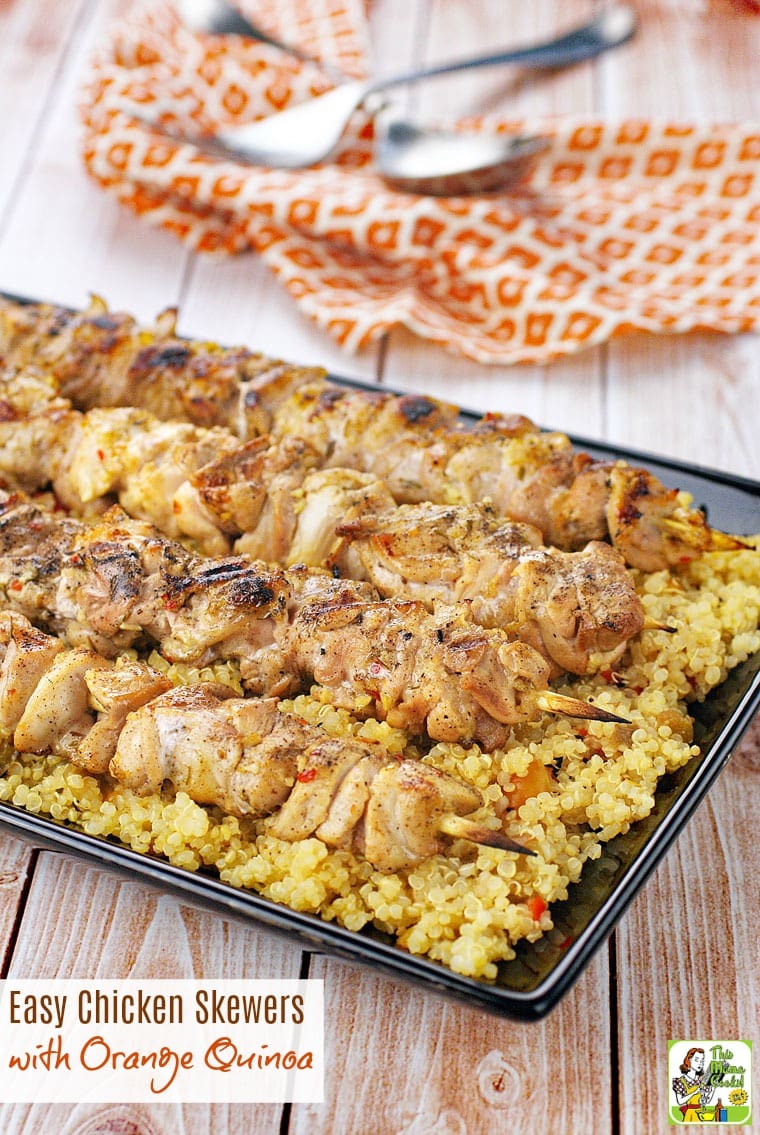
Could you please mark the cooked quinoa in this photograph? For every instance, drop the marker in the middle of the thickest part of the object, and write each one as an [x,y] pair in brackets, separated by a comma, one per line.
[469,908]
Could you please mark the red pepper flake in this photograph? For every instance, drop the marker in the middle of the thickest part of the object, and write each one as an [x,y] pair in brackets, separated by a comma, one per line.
[567,942]
[307,775]
[16,585]
[536,906]
[101,455]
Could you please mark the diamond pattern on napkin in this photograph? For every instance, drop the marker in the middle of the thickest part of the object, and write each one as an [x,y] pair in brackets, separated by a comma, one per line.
[621,227]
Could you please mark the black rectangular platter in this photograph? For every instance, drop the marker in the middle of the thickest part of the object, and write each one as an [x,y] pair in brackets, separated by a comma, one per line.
[532,984]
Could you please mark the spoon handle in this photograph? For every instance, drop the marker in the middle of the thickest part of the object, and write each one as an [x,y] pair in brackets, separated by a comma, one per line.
[216,17]
[611,29]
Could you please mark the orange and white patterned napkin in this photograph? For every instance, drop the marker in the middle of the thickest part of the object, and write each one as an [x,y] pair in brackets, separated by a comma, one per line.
[639,225]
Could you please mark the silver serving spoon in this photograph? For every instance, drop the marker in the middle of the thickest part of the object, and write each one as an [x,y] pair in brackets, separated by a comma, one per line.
[308,133]
[447,163]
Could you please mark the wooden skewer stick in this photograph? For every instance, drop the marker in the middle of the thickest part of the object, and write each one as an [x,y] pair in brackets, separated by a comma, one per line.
[722,542]
[552,702]
[460,827]
[694,533]
[650,624]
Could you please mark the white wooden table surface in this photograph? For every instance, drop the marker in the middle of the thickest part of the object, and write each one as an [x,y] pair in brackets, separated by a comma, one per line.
[402,1061]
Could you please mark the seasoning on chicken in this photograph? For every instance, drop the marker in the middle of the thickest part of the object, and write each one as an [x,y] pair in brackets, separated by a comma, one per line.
[26,655]
[245,756]
[187,480]
[98,357]
[524,474]
[572,607]
[414,444]
[108,586]
[240,754]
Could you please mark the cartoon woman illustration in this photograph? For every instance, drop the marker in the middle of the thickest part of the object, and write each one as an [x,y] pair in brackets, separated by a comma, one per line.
[692,1088]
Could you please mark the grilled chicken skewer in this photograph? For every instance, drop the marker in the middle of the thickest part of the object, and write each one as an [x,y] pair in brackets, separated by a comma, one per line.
[415,445]
[240,754]
[121,582]
[572,607]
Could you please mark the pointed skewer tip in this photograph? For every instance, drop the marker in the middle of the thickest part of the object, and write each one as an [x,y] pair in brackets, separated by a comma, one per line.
[574,707]
[696,533]
[722,542]
[653,625]
[460,827]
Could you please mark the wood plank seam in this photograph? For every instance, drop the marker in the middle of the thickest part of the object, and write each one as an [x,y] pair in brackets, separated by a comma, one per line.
[615,1079]
[83,18]
[7,958]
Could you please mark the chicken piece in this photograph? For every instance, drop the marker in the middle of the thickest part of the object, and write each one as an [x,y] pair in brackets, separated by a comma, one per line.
[419,671]
[33,448]
[650,529]
[27,654]
[331,788]
[570,607]
[579,609]
[405,812]
[27,391]
[114,693]
[250,491]
[347,427]
[58,715]
[207,744]
[147,462]
[391,812]
[323,503]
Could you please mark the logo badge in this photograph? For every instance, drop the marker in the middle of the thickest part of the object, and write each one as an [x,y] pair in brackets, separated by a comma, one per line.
[709,1081]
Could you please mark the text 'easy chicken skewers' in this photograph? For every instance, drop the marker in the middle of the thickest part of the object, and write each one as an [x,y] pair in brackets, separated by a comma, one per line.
[240,754]
[121,582]
[577,609]
[415,445]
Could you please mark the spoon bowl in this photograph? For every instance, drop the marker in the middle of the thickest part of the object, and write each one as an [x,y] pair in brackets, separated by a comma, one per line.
[445,163]
[306,134]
